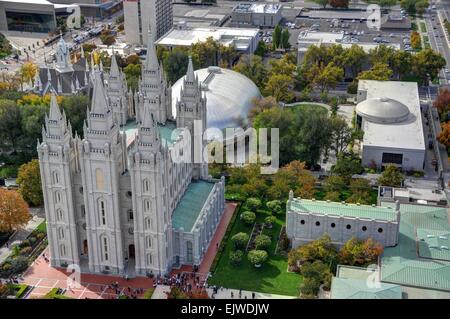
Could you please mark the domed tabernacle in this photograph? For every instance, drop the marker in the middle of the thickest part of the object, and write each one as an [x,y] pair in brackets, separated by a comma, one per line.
[229,96]
[382,110]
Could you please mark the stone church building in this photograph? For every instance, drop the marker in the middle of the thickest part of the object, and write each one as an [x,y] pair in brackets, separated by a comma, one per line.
[116,200]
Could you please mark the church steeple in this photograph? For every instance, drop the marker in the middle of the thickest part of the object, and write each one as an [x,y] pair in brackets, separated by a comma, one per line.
[151,61]
[153,90]
[190,75]
[99,103]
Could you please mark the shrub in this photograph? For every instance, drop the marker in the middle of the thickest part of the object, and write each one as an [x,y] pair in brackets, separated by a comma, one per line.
[39,236]
[269,221]
[236,257]
[248,217]
[19,264]
[257,257]
[25,251]
[240,240]
[274,206]
[32,240]
[4,290]
[24,243]
[262,241]
[253,203]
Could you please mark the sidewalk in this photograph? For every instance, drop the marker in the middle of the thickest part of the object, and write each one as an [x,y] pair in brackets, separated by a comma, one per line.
[19,236]
[223,293]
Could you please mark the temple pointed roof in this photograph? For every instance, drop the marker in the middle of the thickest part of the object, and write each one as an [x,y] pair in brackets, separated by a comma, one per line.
[151,61]
[148,121]
[55,112]
[99,103]
[114,71]
[190,76]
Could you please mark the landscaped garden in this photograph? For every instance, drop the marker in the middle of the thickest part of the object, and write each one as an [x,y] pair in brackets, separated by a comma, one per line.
[239,273]
[15,291]
[25,253]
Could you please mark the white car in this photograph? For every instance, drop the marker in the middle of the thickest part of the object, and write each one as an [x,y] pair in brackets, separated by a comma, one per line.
[446,70]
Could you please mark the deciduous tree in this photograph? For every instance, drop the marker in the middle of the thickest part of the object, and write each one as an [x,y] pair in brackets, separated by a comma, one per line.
[29,181]
[13,211]
[391,176]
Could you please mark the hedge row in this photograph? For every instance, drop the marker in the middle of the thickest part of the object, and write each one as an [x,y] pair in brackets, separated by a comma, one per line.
[225,238]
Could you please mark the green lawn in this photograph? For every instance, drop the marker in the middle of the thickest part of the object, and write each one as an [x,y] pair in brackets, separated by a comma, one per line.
[42,227]
[423,27]
[272,277]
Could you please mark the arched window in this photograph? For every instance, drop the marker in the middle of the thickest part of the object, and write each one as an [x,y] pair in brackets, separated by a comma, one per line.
[148,242]
[55,176]
[149,259]
[99,179]
[59,214]
[57,197]
[146,205]
[189,251]
[102,211]
[146,186]
[148,223]
[105,252]
[130,214]
[62,250]
[60,233]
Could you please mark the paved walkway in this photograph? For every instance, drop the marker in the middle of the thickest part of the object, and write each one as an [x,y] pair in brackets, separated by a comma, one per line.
[20,235]
[224,293]
[44,278]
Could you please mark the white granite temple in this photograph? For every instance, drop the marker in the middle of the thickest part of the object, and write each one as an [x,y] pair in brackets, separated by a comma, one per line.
[116,201]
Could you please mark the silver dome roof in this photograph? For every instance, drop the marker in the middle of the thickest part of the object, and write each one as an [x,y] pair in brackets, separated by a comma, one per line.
[382,110]
[229,96]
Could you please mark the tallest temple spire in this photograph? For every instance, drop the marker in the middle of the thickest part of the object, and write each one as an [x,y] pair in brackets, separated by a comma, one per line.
[190,76]
[151,62]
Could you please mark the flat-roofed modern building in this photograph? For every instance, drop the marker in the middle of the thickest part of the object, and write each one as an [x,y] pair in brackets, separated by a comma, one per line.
[27,15]
[308,38]
[389,114]
[307,220]
[140,14]
[244,39]
[257,14]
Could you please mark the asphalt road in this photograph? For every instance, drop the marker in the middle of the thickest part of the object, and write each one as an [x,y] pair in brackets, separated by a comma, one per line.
[438,41]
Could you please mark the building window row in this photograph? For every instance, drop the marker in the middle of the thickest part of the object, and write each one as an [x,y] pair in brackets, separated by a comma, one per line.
[348,226]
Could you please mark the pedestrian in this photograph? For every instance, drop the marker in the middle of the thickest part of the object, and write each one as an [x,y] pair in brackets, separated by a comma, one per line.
[253,295]
[240,293]
[232,295]
[217,246]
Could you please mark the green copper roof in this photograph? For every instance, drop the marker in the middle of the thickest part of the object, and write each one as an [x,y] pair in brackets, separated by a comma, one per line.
[351,272]
[345,210]
[348,288]
[165,131]
[190,205]
[402,264]
[434,244]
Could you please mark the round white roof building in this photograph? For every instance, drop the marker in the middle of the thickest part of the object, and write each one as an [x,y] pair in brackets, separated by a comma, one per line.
[382,110]
[229,96]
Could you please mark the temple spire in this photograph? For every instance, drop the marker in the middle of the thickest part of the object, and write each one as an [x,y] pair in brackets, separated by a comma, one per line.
[55,112]
[151,61]
[99,102]
[114,71]
[190,75]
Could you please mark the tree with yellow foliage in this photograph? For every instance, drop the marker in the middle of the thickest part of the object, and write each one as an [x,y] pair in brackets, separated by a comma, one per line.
[444,136]
[29,180]
[13,211]
[28,72]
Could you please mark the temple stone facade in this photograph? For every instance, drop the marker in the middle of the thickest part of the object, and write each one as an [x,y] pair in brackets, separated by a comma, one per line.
[129,197]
